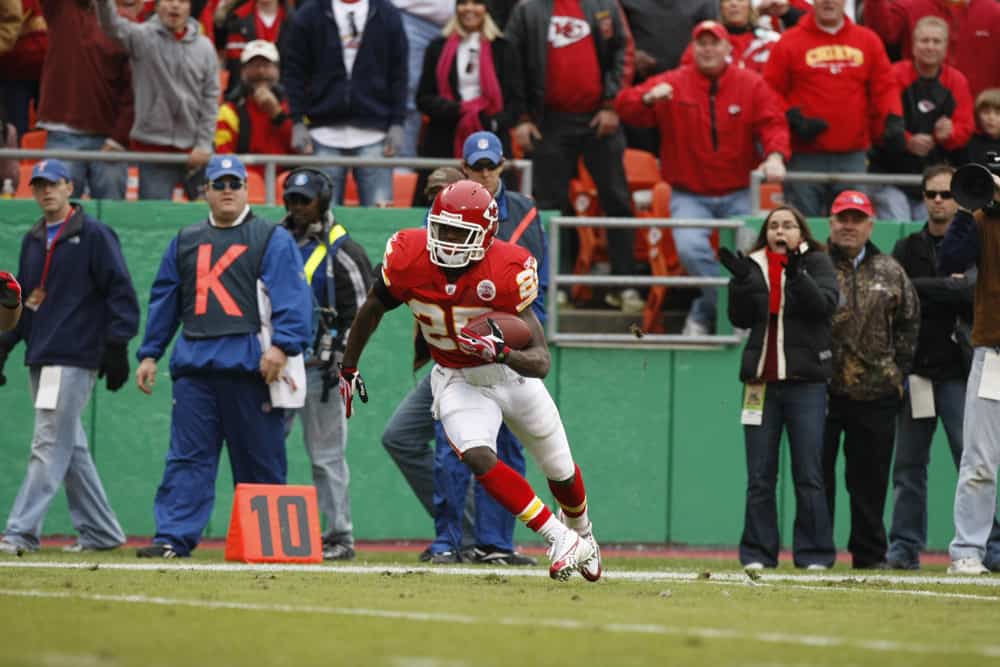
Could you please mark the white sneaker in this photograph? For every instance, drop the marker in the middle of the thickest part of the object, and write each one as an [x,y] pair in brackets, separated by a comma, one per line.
[567,553]
[972,566]
[631,302]
[693,327]
[11,549]
[754,566]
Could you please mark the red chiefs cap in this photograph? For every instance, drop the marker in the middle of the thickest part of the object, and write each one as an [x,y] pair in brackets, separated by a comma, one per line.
[713,27]
[852,199]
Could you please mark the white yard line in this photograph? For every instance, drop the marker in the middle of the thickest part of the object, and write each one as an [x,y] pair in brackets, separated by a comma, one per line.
[624,575]
[819,641]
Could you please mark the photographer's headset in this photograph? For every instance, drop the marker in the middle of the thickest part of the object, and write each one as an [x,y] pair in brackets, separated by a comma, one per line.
[325,194]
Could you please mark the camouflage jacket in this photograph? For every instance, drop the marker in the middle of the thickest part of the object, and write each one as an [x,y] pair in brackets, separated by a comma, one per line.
[875,326]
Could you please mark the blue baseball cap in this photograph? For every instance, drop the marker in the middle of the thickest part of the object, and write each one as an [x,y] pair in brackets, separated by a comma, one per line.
[52,171]
[225,165]
[482,146]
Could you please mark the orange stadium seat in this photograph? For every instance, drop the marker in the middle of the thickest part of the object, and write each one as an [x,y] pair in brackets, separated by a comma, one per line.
[403,187]
[771,196]
[33,140]
[256,188]
[24,186]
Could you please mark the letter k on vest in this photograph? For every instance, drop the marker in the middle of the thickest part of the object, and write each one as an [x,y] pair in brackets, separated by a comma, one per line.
[209,279]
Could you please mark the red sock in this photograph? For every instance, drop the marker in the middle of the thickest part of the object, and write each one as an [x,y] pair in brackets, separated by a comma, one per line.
[513,492]
[571,497]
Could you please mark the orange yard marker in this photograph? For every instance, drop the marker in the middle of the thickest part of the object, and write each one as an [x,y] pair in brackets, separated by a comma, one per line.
[274,523]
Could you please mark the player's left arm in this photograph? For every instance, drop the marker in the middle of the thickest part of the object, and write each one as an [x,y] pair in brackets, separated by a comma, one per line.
[534,360]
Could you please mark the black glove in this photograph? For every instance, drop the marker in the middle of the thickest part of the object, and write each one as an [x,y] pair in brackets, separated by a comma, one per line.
[738,265]
[793,264]
[4,351]
[351,383]
[114,364]
[803,127]
[894,134]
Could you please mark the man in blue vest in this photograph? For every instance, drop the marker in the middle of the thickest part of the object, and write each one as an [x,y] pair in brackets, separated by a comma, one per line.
[437,477]
[212,280]
[339,272]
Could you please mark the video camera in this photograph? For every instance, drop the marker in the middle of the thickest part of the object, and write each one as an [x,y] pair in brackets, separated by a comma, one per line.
[972,183]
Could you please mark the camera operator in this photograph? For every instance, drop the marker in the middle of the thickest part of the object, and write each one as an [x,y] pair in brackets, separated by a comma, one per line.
[338,270]
[975,237]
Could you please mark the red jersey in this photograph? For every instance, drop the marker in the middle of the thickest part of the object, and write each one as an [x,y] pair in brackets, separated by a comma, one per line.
[506,279]
[573,81]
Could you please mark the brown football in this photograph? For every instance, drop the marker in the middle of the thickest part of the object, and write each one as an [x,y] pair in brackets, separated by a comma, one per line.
[516,333]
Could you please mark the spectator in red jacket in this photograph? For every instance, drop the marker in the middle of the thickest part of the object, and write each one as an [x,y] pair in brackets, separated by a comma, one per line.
[974,31]
[780,15]
[255,116]
[751,42]
[87,102]
[840,94]
[937,115]
[711,117]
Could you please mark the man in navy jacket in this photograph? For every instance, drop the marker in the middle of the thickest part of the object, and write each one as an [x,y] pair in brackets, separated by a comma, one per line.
[79,314]
[211,280]
[344,66]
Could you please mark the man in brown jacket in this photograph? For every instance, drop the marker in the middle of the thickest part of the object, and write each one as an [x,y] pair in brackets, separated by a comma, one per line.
[874,338]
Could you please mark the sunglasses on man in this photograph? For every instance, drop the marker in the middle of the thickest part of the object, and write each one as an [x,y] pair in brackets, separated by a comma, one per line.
[934,194]
[221,184]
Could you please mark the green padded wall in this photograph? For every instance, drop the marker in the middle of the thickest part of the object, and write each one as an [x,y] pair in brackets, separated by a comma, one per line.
[655,431]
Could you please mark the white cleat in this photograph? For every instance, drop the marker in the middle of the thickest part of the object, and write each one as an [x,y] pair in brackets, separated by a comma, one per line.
[567,553]
[590,569]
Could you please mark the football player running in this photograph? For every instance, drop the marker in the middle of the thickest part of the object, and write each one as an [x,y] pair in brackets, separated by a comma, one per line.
[448,274]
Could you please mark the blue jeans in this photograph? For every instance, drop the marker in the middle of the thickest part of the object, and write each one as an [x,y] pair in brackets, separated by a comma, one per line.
[60,455]
[976,493]
[891,203]
[814,199]
[419,33]
[157,181]
[374,185]
[208,409]
[104,180]
[908,534]
[324,430]
[800,408]
[694,246]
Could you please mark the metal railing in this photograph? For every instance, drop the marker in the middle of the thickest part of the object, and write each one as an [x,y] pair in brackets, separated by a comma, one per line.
[558,279]
[270,162]
[853,178]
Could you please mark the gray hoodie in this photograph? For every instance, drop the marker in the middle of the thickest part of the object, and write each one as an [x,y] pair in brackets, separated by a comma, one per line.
[176,81]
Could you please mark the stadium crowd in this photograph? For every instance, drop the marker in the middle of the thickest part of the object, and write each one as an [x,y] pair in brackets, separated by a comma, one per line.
[854,338]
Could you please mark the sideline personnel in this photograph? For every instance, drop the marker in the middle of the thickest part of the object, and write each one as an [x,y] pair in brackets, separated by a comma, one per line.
[209,283]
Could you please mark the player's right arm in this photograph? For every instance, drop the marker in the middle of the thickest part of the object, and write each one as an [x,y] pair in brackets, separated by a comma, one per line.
[380,299]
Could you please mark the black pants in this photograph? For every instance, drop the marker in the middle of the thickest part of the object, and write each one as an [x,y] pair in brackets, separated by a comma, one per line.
[565,137]
[869,429]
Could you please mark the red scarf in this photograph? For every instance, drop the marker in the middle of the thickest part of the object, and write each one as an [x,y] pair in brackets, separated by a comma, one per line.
[490,97]
[775,265]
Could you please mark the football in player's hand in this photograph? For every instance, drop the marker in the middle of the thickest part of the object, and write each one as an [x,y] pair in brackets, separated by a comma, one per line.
[516,333]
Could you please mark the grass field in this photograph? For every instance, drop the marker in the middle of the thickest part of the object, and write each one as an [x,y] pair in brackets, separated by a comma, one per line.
[383,609]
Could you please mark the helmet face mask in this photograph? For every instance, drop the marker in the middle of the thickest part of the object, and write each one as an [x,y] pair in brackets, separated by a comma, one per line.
[461,225]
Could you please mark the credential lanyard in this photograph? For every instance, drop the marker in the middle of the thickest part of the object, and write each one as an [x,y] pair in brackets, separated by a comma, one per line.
[50,249]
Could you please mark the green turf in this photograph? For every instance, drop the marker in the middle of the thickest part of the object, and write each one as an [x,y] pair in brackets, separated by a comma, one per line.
[326,617]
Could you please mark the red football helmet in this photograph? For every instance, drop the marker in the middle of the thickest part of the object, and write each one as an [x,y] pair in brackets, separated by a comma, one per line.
[461,225]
